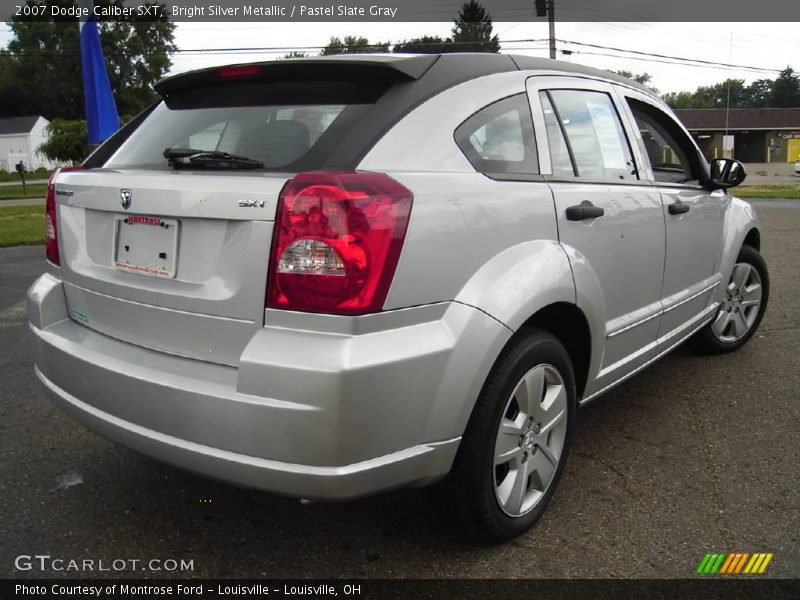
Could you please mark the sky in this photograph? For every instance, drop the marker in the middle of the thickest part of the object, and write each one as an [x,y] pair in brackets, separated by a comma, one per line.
[770,46]
[764,45]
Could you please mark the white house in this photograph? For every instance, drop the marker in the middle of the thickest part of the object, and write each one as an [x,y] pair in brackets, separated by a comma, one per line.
[20,138]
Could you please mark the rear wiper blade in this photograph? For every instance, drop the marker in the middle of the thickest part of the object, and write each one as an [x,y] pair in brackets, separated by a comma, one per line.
[209,158]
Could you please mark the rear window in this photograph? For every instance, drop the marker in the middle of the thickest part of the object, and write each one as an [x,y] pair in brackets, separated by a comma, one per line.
[286,126]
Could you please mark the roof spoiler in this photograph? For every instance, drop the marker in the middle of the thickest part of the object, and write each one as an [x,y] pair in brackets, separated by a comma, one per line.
[340,67]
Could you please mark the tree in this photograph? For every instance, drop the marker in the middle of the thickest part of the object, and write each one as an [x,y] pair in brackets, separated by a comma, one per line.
[15,101]
[46,60]
[760,92]
[683,100]
[643,78]
[472,30]
[294,54]
[67,141]
[427,44]
[719,95]
[733,93]
[786,90]
[353,44]
[6,67]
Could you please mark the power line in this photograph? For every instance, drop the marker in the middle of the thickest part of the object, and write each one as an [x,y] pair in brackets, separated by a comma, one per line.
[649,60]
[281,49]
[666,56]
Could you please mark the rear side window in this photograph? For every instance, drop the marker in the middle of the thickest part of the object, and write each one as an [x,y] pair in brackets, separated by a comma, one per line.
[594,135]
[287,127]
[498,140]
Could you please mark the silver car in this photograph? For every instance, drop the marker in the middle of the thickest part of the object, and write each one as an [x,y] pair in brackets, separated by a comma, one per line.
[331,277]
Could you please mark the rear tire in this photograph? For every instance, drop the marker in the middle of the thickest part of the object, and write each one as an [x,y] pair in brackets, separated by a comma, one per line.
[743,305]
[515,445]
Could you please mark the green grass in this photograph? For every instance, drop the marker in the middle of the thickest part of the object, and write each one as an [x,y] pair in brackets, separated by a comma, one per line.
[21,225]
[6,176]
[790,191]
[36,190]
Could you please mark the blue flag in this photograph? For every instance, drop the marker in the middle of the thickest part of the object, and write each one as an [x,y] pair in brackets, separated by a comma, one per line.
[101,111]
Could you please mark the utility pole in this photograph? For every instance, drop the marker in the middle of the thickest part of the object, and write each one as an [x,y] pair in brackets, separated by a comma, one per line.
[547,7]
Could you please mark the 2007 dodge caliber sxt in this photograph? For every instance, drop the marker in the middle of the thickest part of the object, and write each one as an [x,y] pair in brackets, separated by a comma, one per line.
[330,277]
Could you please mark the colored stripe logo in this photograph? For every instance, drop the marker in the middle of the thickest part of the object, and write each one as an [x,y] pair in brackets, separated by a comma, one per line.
[734,563]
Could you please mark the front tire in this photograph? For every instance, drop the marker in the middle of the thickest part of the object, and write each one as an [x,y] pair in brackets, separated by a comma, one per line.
[743,305]
[515,445]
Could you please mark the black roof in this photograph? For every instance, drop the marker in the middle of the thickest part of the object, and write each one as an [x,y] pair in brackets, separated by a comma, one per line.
[17,125]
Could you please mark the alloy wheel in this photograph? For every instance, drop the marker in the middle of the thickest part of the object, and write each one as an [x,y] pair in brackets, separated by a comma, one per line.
[740,304]
[530,440]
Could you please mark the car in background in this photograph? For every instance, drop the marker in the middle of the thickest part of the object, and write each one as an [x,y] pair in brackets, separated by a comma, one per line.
[331,277]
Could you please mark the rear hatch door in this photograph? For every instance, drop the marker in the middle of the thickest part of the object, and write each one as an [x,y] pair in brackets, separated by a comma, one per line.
[175,257]
[183,269]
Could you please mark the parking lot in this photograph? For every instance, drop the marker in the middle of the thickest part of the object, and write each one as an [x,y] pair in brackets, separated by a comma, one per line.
[697,454]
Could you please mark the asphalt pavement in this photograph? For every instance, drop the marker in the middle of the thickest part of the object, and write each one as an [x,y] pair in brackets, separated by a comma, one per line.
[696,454]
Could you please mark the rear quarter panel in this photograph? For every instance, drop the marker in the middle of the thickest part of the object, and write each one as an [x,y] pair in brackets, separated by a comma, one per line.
[464,224]
[489,244]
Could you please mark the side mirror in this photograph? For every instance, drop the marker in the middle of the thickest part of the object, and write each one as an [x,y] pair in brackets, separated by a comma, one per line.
[726,173]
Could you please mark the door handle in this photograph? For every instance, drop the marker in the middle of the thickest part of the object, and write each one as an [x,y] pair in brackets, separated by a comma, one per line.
[678,208]
[583,211]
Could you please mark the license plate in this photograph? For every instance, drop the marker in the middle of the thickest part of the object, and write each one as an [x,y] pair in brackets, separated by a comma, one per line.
[146,245]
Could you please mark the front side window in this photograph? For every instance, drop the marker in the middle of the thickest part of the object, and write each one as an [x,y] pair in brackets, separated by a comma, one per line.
[499,138]
[594,134]
[670,160]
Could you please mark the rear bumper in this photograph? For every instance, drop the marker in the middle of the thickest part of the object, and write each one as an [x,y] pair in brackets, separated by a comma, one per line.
[328,483]
[364,406]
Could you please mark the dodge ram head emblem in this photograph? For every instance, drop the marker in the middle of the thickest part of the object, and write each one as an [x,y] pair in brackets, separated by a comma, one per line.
[125,198]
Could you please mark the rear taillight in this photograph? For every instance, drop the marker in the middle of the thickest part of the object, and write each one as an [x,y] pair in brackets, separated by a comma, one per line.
[50,227]
[336,243]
